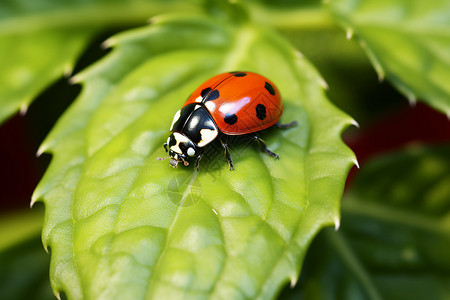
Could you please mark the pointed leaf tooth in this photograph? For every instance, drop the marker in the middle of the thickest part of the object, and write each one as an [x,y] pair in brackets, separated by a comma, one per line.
[108,43]
[75,79]
[337,223]
[412,101]
[33,201]
[68,69]
[355,162]
[42,149]
[323,83]
[23,109]
[349,33]
[355,123]
[294,279]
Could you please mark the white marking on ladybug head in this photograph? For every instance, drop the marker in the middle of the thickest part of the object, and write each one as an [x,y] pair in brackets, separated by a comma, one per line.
[191,151]
[211,106]
[179,138]
[175,118]
[168,140]
[208,136]
[199,99]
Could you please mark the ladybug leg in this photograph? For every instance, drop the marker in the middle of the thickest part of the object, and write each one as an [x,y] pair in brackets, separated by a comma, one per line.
[197,162]
[264,146]
[165,147]
[288,125]
[227,154]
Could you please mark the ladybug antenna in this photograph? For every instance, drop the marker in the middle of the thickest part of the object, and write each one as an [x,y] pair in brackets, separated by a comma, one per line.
[185,163]
[162,158]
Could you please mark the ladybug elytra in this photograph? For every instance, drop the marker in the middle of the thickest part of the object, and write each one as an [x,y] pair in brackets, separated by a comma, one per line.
[233,103]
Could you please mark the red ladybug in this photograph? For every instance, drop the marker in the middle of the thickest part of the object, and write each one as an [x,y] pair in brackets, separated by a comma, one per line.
[234,103]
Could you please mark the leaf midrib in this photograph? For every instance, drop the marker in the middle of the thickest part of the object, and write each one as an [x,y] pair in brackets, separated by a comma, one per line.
[349,258]
[378,211]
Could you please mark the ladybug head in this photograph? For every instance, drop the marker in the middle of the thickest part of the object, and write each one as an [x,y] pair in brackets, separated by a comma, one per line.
[180,148]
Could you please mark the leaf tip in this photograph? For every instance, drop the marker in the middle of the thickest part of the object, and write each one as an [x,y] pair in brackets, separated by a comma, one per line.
[337,223]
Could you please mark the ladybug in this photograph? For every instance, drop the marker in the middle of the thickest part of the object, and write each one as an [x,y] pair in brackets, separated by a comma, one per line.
[233,103]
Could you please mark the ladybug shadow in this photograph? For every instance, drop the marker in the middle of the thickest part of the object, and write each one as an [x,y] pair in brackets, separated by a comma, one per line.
[214,158]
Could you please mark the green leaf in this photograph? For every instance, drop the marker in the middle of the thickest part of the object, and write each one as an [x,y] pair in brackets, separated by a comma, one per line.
[408,41]
[122,224]
[30,62]
[18,227]
[291,15]
[41,40]
[23,264]
[395,233]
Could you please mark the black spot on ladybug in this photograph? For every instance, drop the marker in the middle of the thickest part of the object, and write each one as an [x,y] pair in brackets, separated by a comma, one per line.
[240,74]
[260,111]
[213,95]
[205,92]
[269,88]
[230,119]
[210,95]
